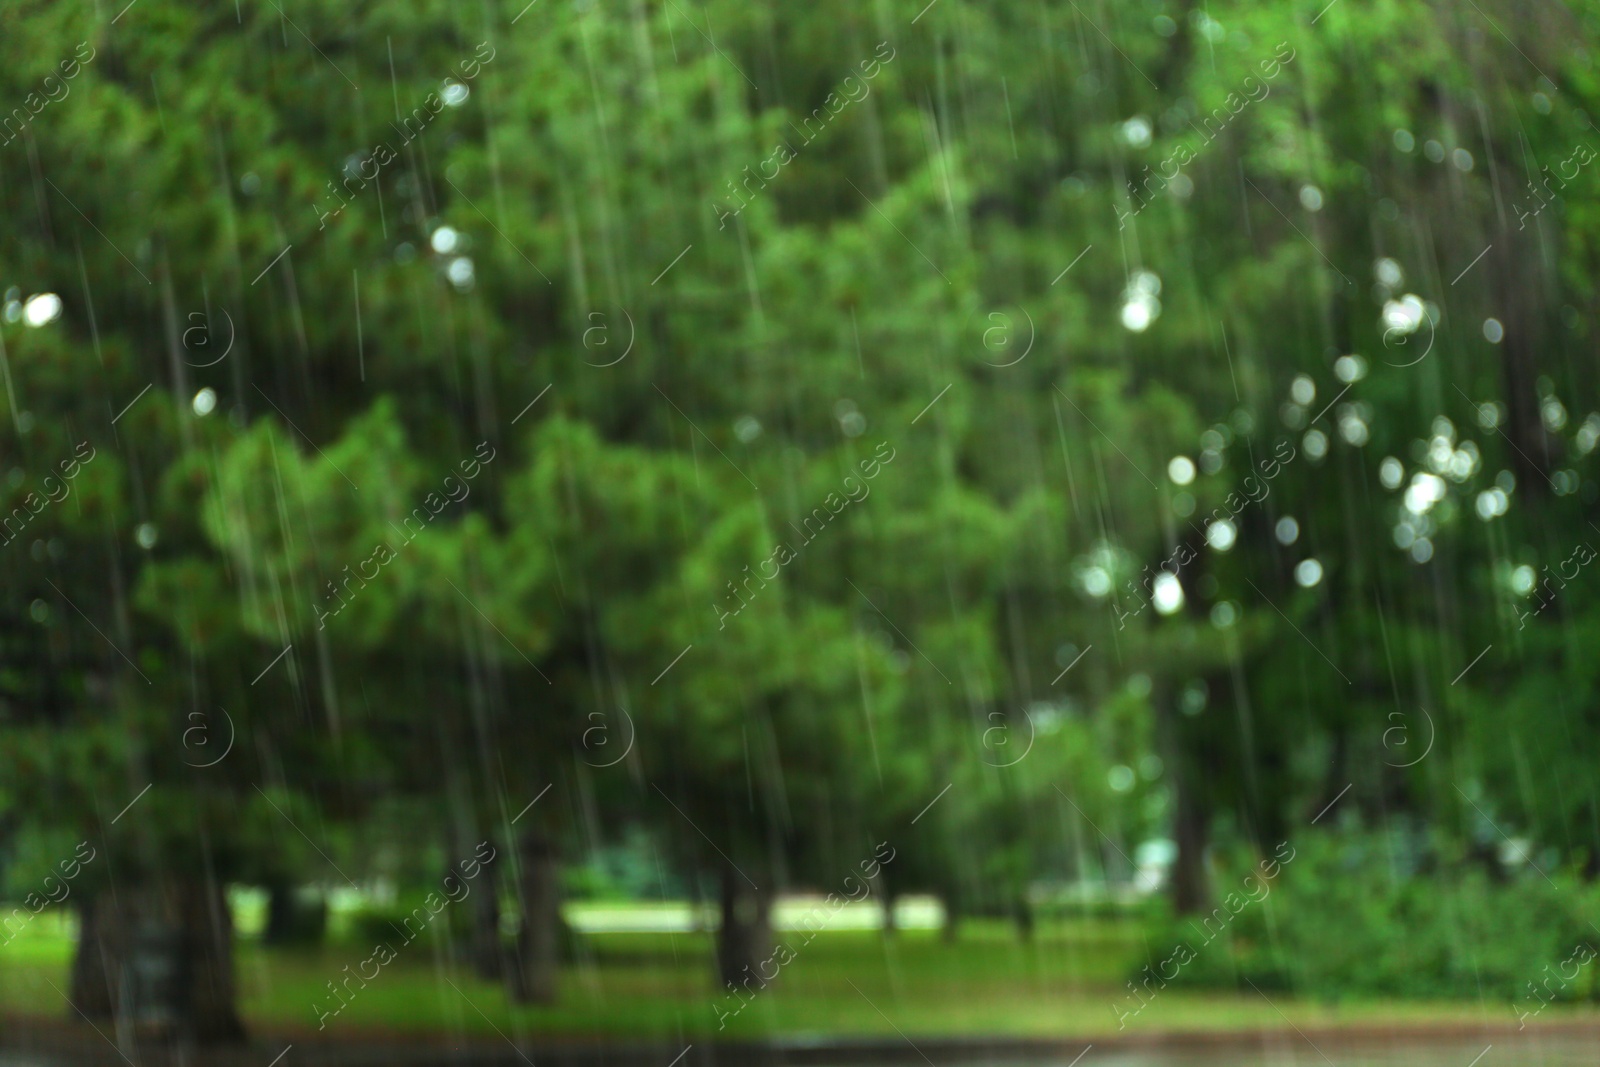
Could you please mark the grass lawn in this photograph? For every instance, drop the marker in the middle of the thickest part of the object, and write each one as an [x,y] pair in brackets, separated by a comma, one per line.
[843,983]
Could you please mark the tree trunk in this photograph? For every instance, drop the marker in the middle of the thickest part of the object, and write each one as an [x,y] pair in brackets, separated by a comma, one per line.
[1515,269]
[159,960]
[1190,830]
[488,955]
[1191,817]
[206,964]
[952,919]
[280,928]
[745,933]
[294,918]
[1191,821]
[93,985]
[886,898]
[538,952]
[1022,914]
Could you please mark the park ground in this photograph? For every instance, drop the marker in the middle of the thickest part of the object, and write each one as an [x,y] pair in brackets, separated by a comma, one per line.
[851,983]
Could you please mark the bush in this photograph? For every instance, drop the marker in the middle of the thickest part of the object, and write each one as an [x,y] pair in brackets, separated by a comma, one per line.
[389,923]
[1343,918]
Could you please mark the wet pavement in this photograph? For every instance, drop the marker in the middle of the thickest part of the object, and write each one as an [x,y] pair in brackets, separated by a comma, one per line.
[1565,1048]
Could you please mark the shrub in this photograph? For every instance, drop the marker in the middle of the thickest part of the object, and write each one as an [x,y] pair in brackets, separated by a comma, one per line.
[389,923]
[1345,918]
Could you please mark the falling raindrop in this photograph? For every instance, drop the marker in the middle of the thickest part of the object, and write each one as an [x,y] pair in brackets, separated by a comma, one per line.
[460,273]
[1350,368]
[1316,444]
[1404,315]
[1136,132]
[1221,535]
[1307,573]
[1522,579]
[444,240]
[1167,593]
[42,309]
[1096,581]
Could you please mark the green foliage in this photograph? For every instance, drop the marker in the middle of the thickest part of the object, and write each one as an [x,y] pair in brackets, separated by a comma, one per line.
[1350,917]
[297,560]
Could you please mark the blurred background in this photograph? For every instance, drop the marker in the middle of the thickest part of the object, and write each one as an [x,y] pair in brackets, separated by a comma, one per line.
[876,532]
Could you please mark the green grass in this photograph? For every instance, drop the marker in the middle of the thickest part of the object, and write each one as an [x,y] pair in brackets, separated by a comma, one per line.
[850,983]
